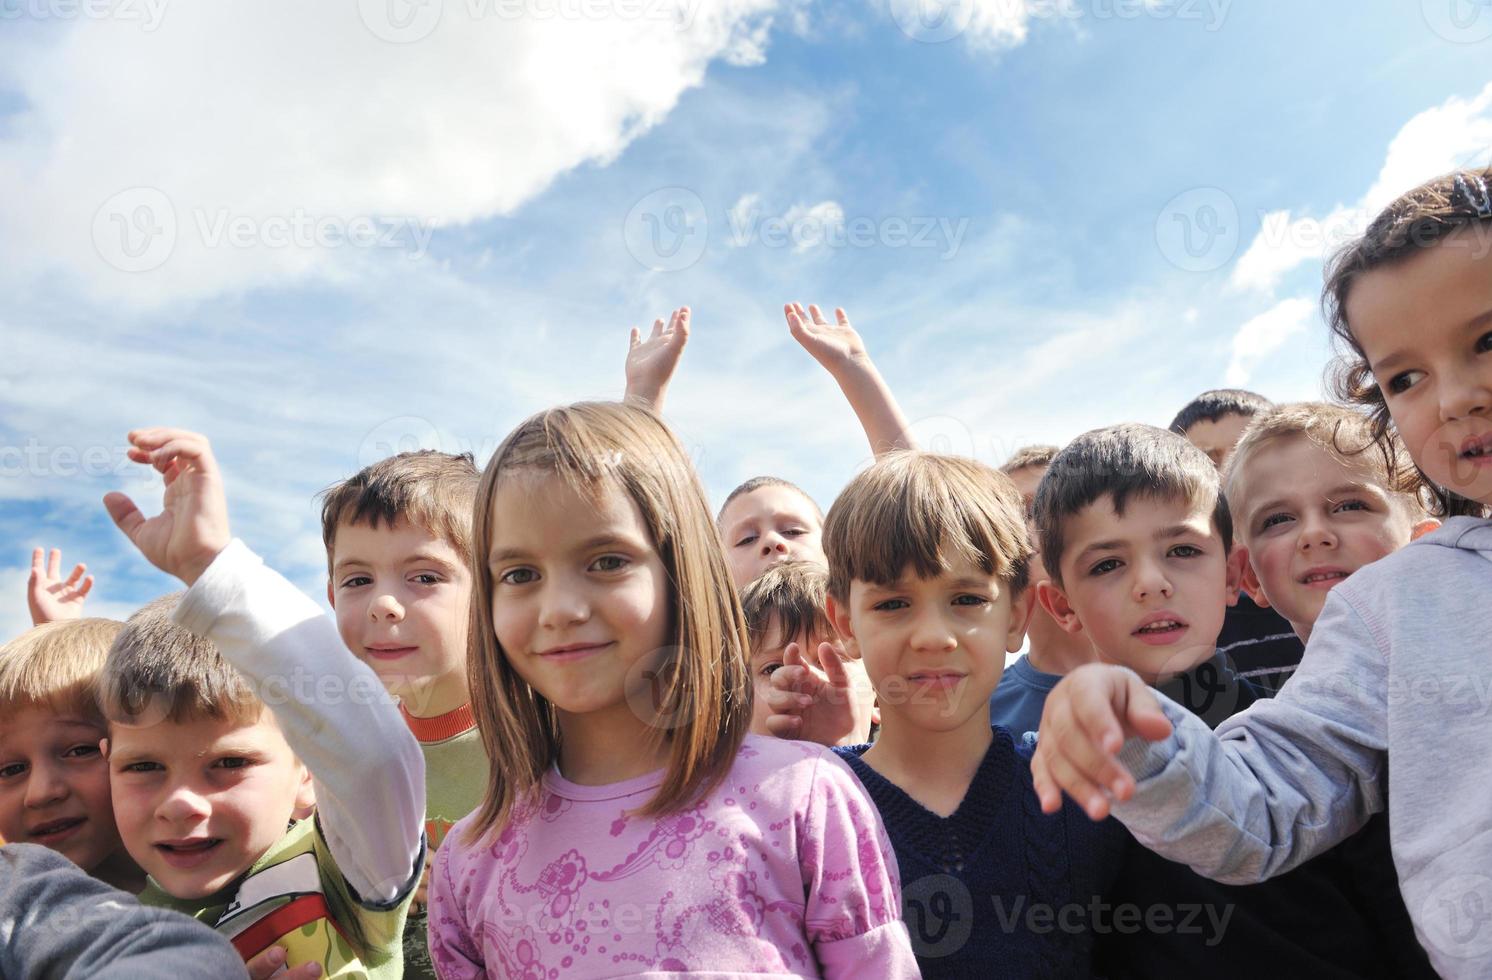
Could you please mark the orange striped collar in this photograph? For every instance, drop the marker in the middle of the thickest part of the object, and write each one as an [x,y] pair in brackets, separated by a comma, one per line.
[441,727]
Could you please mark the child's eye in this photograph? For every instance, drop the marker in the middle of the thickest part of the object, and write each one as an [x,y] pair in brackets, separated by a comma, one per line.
[83,751]
[1484,343]
[1350,505]
[610,563]
[890,605]
[1401,383]
[1105,567]
[143,767]
[356,581]
[232,762]
[970,600]
[745,541]
[768,669]
[518,576]
[1273,520]
[13,769]
[795,531]
[427,578]
[1185,551]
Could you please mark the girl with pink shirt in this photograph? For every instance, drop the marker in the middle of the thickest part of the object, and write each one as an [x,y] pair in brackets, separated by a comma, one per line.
[632,827]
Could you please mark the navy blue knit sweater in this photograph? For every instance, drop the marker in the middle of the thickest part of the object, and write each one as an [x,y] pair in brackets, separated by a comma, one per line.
[997,889]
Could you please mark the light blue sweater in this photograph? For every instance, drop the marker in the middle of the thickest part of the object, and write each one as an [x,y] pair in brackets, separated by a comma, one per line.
[1391,706]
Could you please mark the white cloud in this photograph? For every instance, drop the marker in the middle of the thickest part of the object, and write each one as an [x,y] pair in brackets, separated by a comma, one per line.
[989,25]
[308,125]
[1265,334]
[814,225]
[1457,133]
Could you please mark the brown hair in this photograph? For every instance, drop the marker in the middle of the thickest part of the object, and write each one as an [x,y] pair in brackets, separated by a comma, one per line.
[790,594]
[911,509]
[1343,432]
[1027,456]
[1120,462]
[596,447]
[429,489]
[1425,216]
[159,671]
[57,665]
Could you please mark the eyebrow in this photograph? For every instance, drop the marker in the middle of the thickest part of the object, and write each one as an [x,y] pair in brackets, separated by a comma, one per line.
[607,540]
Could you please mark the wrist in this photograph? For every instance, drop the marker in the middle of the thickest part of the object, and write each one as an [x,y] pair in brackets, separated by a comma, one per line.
[191,570]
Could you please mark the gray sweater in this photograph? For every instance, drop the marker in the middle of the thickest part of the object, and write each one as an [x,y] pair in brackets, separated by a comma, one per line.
[56,922]
[1398,669]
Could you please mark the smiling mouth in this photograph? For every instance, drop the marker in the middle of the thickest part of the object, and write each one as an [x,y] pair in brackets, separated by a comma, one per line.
[1318,578]
[188,853]
[575,651]
[389,653]
[1160,627]
[56,828]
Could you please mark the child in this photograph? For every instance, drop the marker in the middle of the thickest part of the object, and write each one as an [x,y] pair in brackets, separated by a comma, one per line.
[767,519]
[1052,651]
[1140,540]
[398,550]
[213,701]
[927,582]
[54,782]
[631,825]
[1255,638]
[1388,708]
[786,617]
[50,596]
[1315,500]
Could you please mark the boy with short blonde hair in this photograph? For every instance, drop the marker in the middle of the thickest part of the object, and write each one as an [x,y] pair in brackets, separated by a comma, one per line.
[398,552]
[1316,499]
[54,782]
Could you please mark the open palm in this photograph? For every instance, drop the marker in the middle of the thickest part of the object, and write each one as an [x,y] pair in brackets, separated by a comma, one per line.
[192,527]
[829,343]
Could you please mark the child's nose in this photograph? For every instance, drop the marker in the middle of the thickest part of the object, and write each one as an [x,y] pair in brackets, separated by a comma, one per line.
[44,787]
[384,607]
[1151,581]
[183,803]
[1465,393]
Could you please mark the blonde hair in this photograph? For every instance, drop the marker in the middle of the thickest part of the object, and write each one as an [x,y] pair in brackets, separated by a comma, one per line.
[1344,433]
[1039,454]
[915,510]
[792,594]
[596,446]
[159,671]
[57,665]
[429,489]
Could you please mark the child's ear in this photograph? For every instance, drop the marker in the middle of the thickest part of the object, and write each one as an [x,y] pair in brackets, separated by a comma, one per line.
[1253,586]
[1054,601]
[305,795]
[1237,565]
[1020,618]
[840,617]
[331,597]
[1423,528]
[103,747]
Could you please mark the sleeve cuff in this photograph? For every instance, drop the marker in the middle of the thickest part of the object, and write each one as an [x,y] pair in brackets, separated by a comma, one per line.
[199,608]
[1145,759]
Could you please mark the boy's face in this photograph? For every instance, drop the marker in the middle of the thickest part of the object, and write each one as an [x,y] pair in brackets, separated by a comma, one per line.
[1309,520]
[766,658]
[198,802]
[1149,588]
[401,596]
[934,648]
[768,525]
[1217,438]
[54,785]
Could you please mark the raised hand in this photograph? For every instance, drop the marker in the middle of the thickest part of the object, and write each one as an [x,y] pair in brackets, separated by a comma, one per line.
[818,703]
[192,527]
[651,363]
[1085,722]
[50,596]
[831,344]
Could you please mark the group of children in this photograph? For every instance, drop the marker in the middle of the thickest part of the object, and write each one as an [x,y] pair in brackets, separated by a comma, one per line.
[569,722]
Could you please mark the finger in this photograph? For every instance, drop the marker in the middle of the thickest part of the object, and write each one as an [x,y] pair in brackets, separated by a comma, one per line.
[818,316]
[634,339]
[1143,713]
[124,513]
[784,726]
[841,316]
[794,680]
[78,572]
[682,326]
[657,329]
[787,702]
[264,965]
[1083,739]
[85,588]
[1084,791]
[792,655]
[54,564]
[185,450]
[794,321]
[833,663]
[1047,791]
[37,563]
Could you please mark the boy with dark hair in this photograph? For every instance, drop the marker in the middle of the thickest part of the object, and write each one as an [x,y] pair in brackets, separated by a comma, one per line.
[1260,642]
[1138,538]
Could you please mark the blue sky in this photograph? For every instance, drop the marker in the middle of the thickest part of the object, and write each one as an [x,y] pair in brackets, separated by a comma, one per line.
[1022,193]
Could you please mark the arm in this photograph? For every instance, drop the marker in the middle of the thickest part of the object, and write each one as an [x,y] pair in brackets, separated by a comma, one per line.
[842,353]
[1274,786]
[853,914]
[51,597]
[56,921]
[651,363]
[367,767]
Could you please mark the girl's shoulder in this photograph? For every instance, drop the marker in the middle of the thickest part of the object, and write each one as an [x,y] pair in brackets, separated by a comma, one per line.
[766,765]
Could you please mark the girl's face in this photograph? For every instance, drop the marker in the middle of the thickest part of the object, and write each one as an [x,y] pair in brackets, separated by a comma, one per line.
[580,597]
[1425,327]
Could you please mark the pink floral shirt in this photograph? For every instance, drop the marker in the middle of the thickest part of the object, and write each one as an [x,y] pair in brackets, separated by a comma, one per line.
[783,870]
